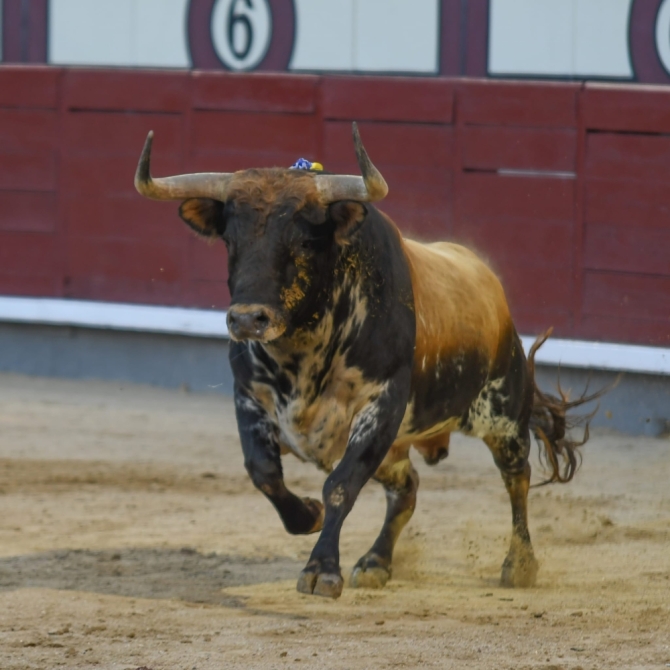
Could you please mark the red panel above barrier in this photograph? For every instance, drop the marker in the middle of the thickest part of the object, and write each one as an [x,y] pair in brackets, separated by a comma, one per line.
[267,93]
[388,99]
[531,104]
[563,187]
[627,108]
[127,90]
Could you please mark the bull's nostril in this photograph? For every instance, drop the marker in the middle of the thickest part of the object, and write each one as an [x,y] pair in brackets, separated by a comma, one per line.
[261,319]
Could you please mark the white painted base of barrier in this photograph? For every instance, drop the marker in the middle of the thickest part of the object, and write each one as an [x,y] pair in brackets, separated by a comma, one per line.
[210,323]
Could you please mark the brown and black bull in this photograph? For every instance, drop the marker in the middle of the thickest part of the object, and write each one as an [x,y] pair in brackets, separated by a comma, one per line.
[352,344]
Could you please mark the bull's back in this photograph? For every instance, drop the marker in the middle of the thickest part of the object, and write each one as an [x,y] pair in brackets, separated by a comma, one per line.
[463,332]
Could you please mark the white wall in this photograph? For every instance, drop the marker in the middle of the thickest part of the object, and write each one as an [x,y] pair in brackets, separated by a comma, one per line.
[118,32]
[367,35]
[559,37]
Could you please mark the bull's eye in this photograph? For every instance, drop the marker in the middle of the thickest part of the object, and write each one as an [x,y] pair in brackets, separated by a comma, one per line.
[308,245]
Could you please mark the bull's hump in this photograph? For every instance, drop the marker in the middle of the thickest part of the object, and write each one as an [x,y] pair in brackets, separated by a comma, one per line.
[460,305]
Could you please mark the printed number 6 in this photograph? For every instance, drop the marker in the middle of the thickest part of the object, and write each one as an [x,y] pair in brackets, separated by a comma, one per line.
[239,21]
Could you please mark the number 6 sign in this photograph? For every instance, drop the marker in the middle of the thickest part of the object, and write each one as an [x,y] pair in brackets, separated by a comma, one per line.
[241,35]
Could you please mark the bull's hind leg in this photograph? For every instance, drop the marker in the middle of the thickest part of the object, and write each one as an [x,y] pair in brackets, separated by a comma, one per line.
[400,481]
[511,457]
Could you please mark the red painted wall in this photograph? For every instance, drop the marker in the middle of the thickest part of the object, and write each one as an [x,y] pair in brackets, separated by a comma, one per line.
[565,188]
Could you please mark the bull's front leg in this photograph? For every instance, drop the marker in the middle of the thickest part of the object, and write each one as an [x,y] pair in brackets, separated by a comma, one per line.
[372,433]
[262,460]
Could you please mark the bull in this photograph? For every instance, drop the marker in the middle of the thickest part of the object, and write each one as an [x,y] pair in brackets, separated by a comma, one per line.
[351,344]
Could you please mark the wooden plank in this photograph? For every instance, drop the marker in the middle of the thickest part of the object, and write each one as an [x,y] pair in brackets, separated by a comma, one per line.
[29,86]
[390,144]
[411,99]
[28,171]
[491,196]
[633,203]
[251,140]
[125,289]
[121,133]
[627,296]
[29,255]
[426,223]
[146,260]
[126,90]
[207,294]
[627,248]
[527,104]
[494,147]
[29,211]
[28,130]
[627,156]
[128,217]
[624,107]
[255,92]
[519,242]
[208,262]
[653,332]
[110,174]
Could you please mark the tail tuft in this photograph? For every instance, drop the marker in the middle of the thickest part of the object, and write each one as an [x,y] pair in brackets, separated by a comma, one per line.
[551,425]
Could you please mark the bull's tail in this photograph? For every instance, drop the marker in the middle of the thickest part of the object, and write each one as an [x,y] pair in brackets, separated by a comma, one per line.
[551,424]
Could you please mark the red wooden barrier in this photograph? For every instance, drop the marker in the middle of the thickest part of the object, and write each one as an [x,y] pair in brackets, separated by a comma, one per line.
[563,187]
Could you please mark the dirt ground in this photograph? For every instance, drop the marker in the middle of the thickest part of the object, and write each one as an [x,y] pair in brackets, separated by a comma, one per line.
[130,537]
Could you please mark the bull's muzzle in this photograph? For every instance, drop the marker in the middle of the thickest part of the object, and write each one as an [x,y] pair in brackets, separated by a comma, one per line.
[254,322]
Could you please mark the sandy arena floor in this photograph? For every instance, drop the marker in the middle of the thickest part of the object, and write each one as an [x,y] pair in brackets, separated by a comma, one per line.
[130,537]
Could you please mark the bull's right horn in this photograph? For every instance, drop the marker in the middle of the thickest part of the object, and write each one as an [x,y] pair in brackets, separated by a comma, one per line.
[199,185]
[371,187]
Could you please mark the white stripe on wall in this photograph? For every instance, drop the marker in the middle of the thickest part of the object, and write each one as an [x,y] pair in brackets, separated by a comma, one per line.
[210,323]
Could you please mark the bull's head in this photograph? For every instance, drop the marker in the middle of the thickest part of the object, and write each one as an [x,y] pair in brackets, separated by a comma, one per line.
[282,228]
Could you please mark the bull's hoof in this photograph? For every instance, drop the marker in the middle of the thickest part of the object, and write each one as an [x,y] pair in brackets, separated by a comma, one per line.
[519,570]
[370,573]
[318,511]
[325,584]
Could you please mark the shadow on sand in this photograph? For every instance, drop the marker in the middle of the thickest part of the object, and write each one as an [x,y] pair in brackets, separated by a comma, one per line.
[182,574]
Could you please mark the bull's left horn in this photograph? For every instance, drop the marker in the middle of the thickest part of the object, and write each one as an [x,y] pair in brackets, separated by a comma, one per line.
[371,187]
[199,185]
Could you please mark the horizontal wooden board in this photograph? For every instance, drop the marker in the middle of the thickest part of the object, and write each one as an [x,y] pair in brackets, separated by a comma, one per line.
[507,147]
[543,299]
[124,289]
[30,255]
[628,156]
[28,171]
[426,223]
[632,203]
[108,174]
[627,296]
[121,133]
[286,134]
[627,248]
[29,211]
[208,261]
[207,294]
[520,243]
[158,261]
[631,108]
[390,144]
[28,130]
[29,87]
[388,99]
[653,332]
[526,104]
[124,89]
[480,195]
[254,92]
[127,217]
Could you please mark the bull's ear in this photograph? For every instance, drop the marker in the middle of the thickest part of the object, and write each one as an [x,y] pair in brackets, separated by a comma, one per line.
[348,216]
[204,215]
